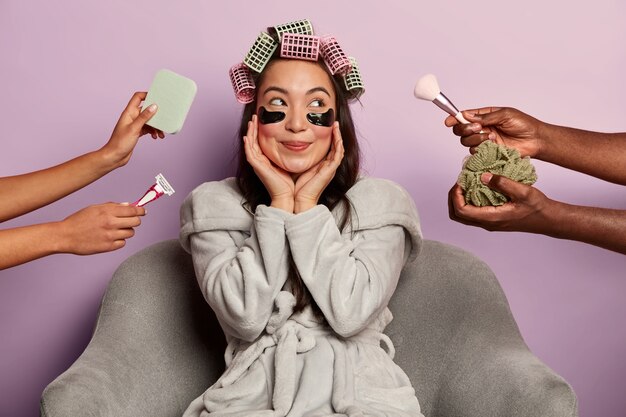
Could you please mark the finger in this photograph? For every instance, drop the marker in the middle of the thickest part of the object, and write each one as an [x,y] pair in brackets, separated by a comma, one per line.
[466,129]
[135,100]
[118,244]
[508,187]
[337,148]
[451,121]
[456,202]
[475,140]
[255,126]
[251,154]
[490,116]
[127,210]
[452,202]
[144,116]
[476,113]
[462,212]
[247,139]
[151,130]
[123,234]
[255,140]
[250,127]
[122,223]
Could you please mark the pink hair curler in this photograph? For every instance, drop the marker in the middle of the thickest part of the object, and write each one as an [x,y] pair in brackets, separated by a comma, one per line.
[303,27]
[259,55]
[243,83]
[298,42]
[353,80]
[334,57]
[297,46]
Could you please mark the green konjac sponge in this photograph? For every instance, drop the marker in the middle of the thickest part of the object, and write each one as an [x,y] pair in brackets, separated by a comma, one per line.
[497,159]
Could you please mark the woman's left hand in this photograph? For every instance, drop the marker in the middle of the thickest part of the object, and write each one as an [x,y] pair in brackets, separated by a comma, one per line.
[310,185]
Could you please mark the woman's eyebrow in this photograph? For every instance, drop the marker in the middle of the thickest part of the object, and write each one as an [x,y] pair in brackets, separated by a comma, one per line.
[274,88]
[316,89]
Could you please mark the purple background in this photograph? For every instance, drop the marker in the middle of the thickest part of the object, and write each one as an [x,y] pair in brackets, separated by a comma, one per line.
[68,69]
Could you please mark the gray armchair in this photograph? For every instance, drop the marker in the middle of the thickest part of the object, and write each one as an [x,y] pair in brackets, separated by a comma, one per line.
[157,345]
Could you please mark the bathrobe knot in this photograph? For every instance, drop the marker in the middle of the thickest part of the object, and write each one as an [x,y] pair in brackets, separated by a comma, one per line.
[284,304]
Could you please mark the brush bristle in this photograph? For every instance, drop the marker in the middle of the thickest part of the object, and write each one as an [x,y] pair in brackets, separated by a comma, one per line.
[427,88]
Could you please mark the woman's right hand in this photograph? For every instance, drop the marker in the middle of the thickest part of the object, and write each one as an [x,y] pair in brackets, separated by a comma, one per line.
[277,181]
[504,125]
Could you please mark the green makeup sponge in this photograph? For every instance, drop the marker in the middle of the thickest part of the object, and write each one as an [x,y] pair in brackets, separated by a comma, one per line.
[496,159]
[174,94]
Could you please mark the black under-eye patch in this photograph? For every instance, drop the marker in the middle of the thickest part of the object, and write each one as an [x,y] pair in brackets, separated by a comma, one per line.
[267,117]
[322,119]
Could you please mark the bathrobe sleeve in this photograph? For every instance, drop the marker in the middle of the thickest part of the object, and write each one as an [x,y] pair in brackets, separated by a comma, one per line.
[352,275]
[240,260]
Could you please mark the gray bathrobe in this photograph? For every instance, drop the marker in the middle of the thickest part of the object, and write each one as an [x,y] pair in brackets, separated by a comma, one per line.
[283,364]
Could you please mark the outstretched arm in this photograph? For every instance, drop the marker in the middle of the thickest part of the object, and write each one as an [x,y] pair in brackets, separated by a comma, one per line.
[602,155]
[531,211]
[100,228]
[21,194]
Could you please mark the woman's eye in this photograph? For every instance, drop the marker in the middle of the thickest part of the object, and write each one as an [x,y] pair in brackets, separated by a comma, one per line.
[317,103]
[277,102]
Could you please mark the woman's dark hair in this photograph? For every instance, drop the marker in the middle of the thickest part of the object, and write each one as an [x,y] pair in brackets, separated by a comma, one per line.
[254,191]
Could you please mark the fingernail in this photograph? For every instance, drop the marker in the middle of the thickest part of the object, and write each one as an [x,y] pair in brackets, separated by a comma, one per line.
[152,108]
[125,203]
[486,177]
[492,136]
[475,127]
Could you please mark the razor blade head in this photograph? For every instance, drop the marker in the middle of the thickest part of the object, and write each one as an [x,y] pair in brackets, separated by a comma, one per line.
[162,182]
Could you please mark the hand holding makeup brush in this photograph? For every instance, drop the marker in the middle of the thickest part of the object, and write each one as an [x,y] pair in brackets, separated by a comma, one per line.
[602,155]
[505,126]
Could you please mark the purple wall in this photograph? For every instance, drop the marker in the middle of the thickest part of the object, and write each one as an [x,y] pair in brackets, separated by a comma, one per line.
[67,71]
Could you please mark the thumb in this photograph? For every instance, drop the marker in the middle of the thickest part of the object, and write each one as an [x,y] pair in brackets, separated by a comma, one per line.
[493,117]
[145,115]
[513,189]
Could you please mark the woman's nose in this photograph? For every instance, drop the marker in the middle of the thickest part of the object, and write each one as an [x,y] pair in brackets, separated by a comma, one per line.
[296,122]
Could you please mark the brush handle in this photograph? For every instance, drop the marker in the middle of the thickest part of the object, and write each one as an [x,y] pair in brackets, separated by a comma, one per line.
[446,105]
[460,118]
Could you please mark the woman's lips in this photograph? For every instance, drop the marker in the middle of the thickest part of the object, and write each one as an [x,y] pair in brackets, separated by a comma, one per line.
[296,146]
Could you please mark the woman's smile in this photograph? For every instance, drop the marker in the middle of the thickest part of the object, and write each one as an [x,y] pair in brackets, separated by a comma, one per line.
[296,146]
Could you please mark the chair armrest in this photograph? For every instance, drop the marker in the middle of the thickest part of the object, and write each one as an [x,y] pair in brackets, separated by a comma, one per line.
[156,345]
[458,342]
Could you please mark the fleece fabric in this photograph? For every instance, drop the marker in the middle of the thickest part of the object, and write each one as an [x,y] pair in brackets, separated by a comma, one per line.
[281,363]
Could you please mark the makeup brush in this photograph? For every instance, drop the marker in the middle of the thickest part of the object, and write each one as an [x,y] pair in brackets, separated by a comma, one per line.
[427,88]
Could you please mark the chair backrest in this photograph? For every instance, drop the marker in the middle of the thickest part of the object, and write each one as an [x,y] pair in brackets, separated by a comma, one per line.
[157,344]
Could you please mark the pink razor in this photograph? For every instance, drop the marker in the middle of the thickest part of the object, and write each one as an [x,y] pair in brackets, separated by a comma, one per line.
[157,190]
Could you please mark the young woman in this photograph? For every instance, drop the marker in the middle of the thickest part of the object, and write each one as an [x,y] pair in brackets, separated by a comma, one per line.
[298,256]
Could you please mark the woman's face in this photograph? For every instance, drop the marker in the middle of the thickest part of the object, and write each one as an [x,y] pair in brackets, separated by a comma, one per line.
[295,88]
